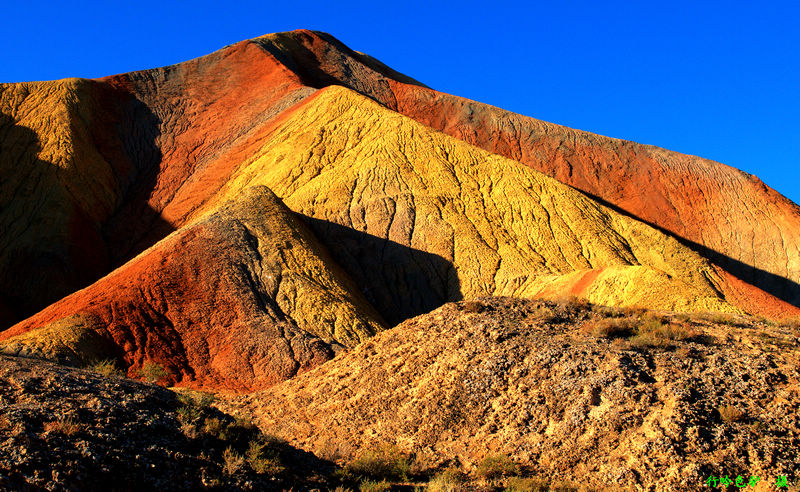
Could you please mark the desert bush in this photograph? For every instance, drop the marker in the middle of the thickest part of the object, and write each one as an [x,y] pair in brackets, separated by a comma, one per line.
[188,414]
[199,399]
[574,303]
[609,327]
[63,425]
[610,311]
[730,413]
[528,484]
[653,332]
[385,463]
[106,367]
[152,372]
[634,311]
[535,484]
[374,486]
[213,426]
[496,466]
[449,480]
[263,459]
[720,318]
[232,461]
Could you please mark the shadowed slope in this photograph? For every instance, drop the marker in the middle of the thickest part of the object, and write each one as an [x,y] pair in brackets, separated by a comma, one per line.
[507,230]
[69,152]
[93,172]
[239,300]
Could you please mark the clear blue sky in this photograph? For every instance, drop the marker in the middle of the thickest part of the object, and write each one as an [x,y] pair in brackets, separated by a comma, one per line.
[716,79]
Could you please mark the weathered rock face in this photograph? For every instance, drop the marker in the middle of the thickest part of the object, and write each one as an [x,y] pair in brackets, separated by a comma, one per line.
[240,300]
[378,186]
[528,380]
[727,215]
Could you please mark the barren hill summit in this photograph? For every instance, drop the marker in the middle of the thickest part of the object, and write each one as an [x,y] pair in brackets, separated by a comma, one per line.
[241,217]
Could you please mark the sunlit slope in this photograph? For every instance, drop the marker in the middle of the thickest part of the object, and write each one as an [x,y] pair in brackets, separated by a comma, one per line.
[381,189]
[734,218]
[747,227]
[240,300]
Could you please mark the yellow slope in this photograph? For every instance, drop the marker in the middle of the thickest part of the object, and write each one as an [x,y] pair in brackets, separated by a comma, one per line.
[506,229]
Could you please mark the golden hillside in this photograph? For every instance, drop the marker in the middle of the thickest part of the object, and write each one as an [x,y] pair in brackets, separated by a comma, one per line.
[358,170]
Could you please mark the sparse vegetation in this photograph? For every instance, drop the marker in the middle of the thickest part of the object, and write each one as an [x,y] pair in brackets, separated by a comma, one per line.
[449,480]
[233,462]
[527,484]
[153,372]
[200,399]
[213,426]
[263,459]
[730,413]
[375,486]
[653,332]
[106,367]
[609,327]
[793,323]
[496,466]
[67,426]
[387,463]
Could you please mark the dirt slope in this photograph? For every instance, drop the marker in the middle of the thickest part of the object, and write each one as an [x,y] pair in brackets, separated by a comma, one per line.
[556,390]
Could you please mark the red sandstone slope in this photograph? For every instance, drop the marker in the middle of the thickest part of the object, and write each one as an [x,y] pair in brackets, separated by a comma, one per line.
[240,300]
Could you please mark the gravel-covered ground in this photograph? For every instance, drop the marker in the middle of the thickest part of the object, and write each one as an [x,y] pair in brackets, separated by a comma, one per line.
[63,428]
[591,396]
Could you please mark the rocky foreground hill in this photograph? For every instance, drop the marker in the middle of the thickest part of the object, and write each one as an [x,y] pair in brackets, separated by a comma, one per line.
[574,394]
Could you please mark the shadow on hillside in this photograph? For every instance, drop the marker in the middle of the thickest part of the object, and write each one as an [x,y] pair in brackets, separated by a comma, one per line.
[780,287]
[53,242]
[399,281]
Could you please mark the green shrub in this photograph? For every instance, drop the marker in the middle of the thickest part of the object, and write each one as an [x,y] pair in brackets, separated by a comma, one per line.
[232,461]
[449,480]
[152,372]
[106,367]
[386,463]
[374,486]
[496,466]
[263,459]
